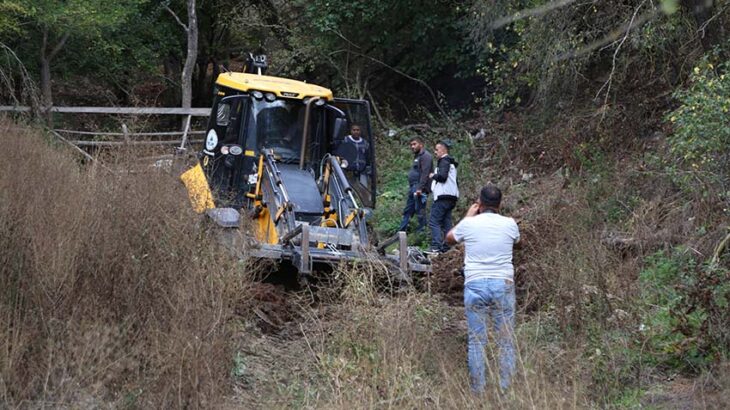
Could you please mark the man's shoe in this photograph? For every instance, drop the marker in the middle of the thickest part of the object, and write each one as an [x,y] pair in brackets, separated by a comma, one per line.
[432,253]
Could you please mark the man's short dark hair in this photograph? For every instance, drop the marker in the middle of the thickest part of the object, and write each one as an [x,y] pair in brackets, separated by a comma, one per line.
[445,144]
[490,196]
[417,139]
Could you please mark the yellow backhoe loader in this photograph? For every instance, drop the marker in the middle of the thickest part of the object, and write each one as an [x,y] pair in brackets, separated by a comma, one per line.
[274,152]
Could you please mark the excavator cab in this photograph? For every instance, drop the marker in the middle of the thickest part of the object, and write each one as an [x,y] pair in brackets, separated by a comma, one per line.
[275,151]
[279,151]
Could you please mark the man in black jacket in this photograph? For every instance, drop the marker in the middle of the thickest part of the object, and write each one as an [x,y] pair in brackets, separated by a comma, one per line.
[418,185]
[445,193]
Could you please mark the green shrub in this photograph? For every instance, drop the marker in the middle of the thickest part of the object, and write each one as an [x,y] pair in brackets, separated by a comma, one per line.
[700,144]
[686,313]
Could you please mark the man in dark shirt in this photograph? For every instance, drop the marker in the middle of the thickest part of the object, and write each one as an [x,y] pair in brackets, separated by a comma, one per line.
[418,185]
[356,150]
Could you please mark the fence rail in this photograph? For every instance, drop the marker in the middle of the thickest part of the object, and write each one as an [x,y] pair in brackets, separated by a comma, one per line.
[196,112]
[124,136]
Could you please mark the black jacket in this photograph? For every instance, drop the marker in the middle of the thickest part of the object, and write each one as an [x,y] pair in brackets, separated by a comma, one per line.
[418,174]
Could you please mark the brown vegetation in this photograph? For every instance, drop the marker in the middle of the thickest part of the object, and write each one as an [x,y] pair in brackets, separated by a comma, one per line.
[111,293]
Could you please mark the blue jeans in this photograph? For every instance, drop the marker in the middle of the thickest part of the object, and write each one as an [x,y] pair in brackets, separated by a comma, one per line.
[414,205]
[485,299]
[440,223]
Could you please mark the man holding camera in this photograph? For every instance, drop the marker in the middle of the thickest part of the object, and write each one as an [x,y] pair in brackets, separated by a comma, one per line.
[489,291]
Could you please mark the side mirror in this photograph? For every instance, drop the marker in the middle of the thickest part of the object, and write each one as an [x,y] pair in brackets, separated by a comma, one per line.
[340,127]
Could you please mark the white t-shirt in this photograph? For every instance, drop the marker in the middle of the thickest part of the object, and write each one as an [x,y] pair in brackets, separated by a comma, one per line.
[488,239]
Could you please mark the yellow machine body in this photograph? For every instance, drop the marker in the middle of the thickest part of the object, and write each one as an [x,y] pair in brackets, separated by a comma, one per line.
[198,189]
[281,87]
[273,152]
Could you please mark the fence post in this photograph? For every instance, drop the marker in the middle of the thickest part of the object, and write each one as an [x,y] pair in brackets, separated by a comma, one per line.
[185,134]
[125,131]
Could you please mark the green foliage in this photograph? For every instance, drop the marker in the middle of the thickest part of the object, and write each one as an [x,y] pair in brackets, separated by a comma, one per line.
[530,51]
[526,57]
[12,12]
[79,17]
[684,324]
[393,160]
[364,40]
[613,357]
[125,55]
[700,143]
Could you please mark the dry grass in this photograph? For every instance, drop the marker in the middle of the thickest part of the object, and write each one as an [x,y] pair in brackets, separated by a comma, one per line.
[405,352]
[113,295]
[110,292]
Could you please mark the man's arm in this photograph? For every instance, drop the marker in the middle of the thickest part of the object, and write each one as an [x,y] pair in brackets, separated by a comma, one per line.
[442,173]
[518,237]
[451,236]
[426,163]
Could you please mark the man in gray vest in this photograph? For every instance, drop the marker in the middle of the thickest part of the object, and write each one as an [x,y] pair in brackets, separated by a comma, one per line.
[445,194]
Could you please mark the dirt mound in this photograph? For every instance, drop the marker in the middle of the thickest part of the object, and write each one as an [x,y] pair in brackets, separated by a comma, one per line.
[447,278]
[271,304]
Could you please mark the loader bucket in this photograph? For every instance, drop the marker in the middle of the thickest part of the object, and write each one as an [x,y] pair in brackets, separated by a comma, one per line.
[198,189]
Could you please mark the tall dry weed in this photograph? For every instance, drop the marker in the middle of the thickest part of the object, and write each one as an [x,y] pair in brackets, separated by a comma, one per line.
[110,291]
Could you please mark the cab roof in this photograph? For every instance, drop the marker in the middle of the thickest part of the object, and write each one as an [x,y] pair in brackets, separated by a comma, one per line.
[282,87]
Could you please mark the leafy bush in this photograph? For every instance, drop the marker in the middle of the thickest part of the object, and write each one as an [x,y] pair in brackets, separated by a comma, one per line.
[700,143]
[686,316]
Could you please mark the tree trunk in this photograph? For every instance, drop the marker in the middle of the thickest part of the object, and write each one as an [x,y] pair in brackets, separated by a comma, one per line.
[46,93]
[200,97]
[192,56]
[45,67]
[171,66]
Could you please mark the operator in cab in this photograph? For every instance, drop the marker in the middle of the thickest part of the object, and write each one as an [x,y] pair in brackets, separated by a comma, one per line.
[355,150]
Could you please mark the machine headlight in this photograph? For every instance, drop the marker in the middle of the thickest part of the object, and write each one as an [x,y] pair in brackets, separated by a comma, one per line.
[270,97]
[236,150]
[211,140]
[224,150]
[257,94]
[319,102]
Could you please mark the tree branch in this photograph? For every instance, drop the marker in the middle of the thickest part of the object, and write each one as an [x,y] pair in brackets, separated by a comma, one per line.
[610,37]
[704,25]
[58,46]
[535,11]
[418,80]
[718,251]
[608,82]
[176,17]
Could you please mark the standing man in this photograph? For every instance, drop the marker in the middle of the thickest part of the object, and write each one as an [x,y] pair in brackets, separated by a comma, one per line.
[445,193]
[356,150]
[489,291]
[417,185]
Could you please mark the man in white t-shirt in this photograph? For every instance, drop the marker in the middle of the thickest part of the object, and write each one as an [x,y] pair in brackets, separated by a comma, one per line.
[489,290]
